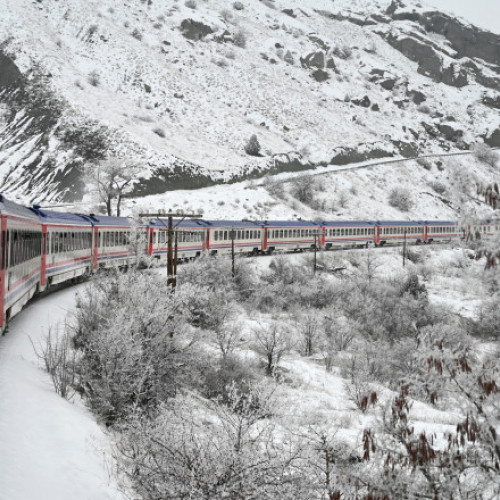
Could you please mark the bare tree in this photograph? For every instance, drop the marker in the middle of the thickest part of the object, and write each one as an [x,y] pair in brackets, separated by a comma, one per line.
[273,341]
[113,178]
[200,449]
[309,328]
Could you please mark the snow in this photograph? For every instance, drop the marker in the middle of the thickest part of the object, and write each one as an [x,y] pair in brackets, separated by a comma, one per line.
[49,448]
[208,110]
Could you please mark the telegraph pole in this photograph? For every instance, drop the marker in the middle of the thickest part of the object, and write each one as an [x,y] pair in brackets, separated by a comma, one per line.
[232,252]
[171,265]
[404,249]
[316,245]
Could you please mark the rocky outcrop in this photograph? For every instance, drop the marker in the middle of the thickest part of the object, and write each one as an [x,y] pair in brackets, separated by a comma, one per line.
[430,62]
[450,132]
[313,60]
[9,72]
[320,75]
[195,30]
[364,102]
[493,101]
[465,39]
[493,140]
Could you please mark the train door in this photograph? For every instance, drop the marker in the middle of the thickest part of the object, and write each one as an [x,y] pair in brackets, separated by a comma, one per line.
[205,244]
[43,277]
[377,232]
[151,238]
[264,243]
[3,267]
[95,259]
[426,233]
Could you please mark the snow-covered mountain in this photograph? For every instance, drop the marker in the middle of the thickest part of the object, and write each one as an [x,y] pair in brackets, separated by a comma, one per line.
[179,87]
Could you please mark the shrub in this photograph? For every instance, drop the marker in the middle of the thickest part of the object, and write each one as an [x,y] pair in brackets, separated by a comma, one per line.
[344,52]
[94,78]
[485,154]
[401,199]
[137,34]
[303,188]
[190,4]
[227,15]
[252,147]
[240,38]
[159,131]
[238,6]
[423,108]
[439,187]
[424,162]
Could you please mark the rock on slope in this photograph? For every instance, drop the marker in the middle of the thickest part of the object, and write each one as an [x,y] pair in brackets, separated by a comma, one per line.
[180,87]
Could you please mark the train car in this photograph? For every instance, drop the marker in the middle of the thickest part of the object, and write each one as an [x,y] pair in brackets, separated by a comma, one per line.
[479,230]
[111,243]
[440,231]
[396,232]
[247,236]
[20,257]
[347,233]
[290,235]
[190,238]
[66,246]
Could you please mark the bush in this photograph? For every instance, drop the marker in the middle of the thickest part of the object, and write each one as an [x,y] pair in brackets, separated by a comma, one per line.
[159,131]
[423,108]
[137,34]
[240,38]
[401,199]
[303,188]
[252,147]
[424,162]
[439,187]
[485,154]
[229,373]
[238,6]
[133,344]
[343,52]
[94,78]
[190,4]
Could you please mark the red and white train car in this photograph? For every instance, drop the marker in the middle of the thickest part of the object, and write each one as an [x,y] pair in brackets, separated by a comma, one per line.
[21,257]
[190,238]
[66,246]
[111,243]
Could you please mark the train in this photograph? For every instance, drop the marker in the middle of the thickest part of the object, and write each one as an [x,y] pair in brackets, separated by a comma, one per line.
[40,248]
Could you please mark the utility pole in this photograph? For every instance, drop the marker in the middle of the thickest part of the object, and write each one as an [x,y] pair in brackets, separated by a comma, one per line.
[232,251]
[316,245]
[171,265]
[404,249]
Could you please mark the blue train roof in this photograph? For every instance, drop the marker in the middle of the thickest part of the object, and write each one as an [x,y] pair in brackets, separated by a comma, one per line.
[438,222]
[234,223]
[107,220]
[10,207]
[398,223]
[287,223]
[187,223]
[346,223]
[53,217]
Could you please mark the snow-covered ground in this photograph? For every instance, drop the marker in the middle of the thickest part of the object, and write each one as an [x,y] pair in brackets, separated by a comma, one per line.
[50,449]
[53,449]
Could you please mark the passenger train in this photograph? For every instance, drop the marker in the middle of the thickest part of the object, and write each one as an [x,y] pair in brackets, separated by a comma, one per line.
[40,248]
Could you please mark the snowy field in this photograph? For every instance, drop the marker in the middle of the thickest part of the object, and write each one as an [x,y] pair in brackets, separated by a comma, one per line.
[50,449]
[53,449]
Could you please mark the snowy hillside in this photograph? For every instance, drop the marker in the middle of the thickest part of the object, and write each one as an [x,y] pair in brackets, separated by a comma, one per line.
[179,88]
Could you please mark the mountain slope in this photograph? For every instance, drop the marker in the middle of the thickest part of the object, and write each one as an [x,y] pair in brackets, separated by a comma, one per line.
[180,88]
